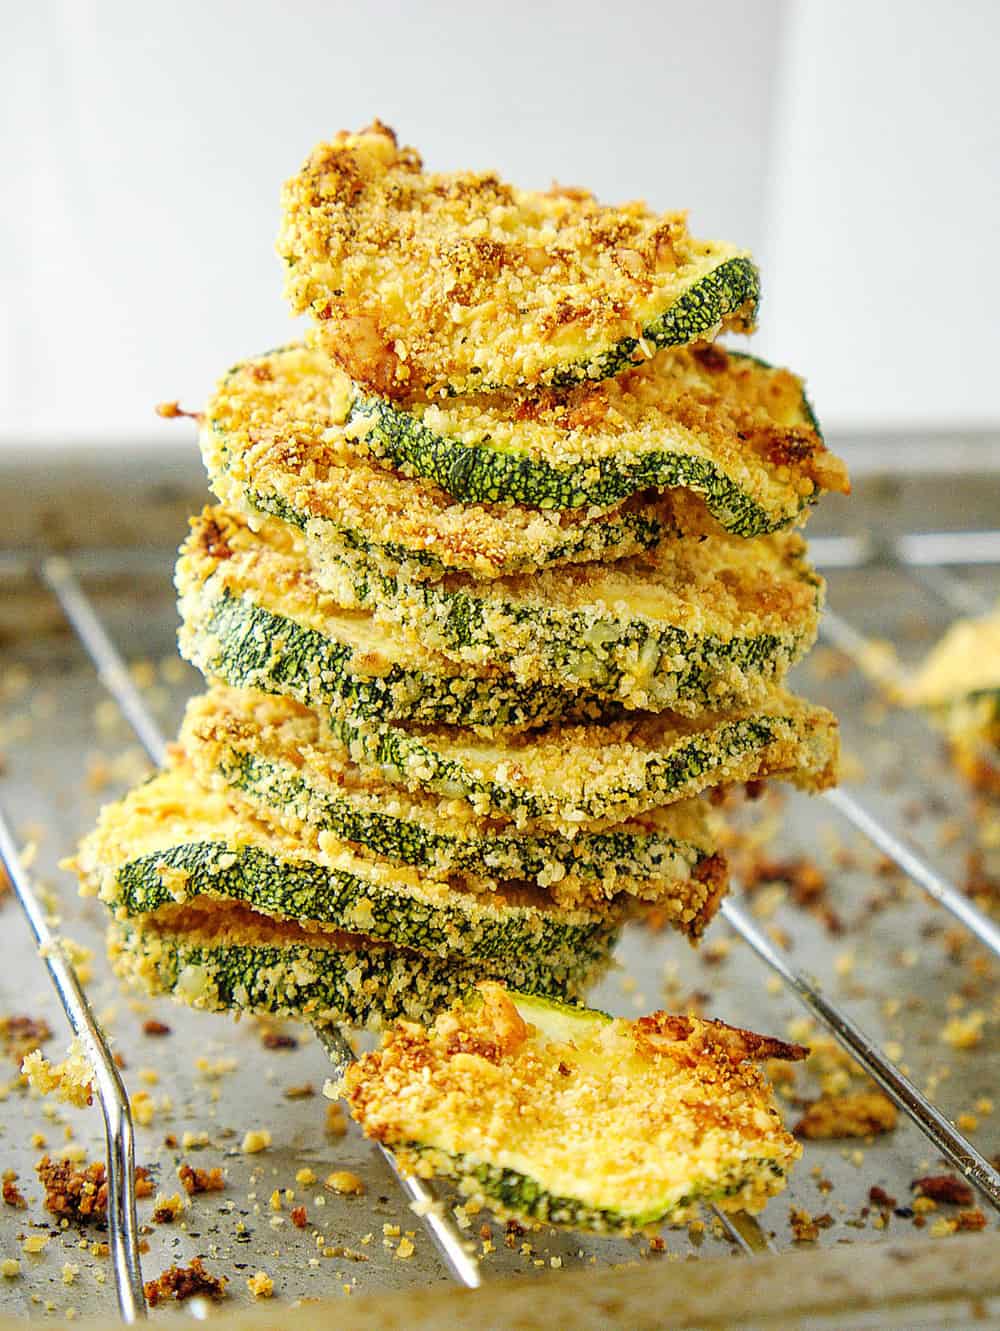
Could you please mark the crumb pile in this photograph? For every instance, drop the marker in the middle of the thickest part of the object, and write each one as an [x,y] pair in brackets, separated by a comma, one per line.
[500,591]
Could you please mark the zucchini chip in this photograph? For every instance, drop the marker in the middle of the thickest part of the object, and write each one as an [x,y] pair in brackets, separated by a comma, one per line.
[170,844]
[457,283]
[566,1116]
[272,756]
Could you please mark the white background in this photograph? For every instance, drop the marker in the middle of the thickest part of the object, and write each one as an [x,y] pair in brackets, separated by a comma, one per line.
[854,146]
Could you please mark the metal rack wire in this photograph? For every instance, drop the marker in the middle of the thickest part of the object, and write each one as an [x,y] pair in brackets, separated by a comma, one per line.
[918,555]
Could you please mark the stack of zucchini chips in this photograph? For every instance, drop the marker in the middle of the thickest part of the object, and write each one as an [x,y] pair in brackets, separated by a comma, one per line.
[500,591]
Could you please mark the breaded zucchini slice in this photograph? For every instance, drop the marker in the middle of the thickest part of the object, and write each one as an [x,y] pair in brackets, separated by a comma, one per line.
[567,1116]
[735,430]
[456,283]
[170,842]
[227,957]
[959,685]
[275,441]
[688,625]
[253,615]
[278,758]
[566,778]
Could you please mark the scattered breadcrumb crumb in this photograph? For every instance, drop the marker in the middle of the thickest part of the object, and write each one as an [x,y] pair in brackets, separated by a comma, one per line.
[71,1081]
[255,1140]
[196,1181]
[964,1032]
[855,1114]
[185,1282]
[260,1285]
[346,1183]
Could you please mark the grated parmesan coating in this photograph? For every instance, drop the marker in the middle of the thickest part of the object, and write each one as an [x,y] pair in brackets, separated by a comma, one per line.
[566,778]
[455,282]
[254,615]
[169,843]
[274,754]
[572,1117]
[686,625]
[737,431]
[274,440]
[230,958]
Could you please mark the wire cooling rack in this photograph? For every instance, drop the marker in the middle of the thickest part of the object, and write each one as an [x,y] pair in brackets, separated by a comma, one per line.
[879,578]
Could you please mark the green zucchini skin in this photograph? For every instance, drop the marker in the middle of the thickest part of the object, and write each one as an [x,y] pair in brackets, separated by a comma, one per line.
[482,473]
[693,764]
[518,1195]
[625,659]
[356,985]
[249,646]
[500,853]
[694,316]
[625,534]
[513,940]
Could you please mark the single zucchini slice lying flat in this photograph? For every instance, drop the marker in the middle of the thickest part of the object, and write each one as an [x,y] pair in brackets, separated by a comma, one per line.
[567,1116]
[737,431]
[220,958]
[274,441]
[253,615]
[573,777]
[169,842]
[959,685]
[689,625]
[274,755]
[460,282]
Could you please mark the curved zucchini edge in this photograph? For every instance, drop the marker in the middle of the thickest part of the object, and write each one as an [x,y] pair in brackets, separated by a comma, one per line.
[515,1194]
[352,985]
[498,854]
[696,314]
[669,776]
[251,647]
[481,473]
[315,895]
[612,538]
[559,648]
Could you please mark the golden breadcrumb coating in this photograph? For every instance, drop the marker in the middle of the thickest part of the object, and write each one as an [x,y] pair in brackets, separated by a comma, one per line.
[437,281]
[274,439]
[618,1123]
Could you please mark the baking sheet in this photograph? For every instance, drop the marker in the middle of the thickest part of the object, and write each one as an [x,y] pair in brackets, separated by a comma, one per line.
[899,966]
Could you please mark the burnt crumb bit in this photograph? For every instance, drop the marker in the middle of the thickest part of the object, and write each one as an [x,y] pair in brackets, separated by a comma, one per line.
[971,1220]
[20,1036]
[278,1040]
[513,1234]
[298,1217]
[184,1282]
[947,1188]
[195,1181]
[155,1028]
[81,1193]
[806,1227]
[879,1197]
[12,1194]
